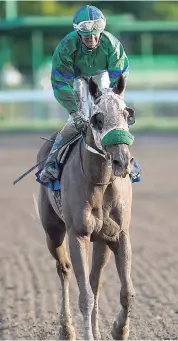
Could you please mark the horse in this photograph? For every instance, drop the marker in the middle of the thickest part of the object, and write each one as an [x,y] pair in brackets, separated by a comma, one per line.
[94,205]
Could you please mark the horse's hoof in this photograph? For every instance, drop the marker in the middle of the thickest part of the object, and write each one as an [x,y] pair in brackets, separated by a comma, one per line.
[121,333]
[67,333]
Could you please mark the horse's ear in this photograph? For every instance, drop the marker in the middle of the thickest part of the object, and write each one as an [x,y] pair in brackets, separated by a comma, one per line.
[94,89]
[120,85]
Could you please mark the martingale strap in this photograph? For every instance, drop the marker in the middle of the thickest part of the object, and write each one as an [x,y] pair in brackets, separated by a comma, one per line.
[117,136]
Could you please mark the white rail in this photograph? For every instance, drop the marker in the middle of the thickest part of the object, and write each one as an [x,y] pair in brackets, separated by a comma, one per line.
[151,96]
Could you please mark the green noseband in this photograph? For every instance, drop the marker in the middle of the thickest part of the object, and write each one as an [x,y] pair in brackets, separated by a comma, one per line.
[117,136]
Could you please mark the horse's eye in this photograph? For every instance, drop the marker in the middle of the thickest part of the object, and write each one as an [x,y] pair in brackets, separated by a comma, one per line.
[98,121]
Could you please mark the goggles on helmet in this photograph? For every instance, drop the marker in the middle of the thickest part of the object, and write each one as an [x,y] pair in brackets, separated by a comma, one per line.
[91,25]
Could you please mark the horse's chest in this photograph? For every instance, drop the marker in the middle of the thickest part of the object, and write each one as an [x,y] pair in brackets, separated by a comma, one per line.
[103,222]
[107,225]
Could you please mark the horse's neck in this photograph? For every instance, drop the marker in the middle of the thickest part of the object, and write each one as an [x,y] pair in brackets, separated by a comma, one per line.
[95,166]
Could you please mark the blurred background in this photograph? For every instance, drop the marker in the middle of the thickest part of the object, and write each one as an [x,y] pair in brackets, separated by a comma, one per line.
[30,293]
[30,31]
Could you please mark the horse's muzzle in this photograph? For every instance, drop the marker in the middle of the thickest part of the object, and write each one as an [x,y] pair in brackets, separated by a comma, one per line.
[120,169]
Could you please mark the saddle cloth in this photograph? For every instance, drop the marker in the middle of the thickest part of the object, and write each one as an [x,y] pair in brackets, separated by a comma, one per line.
[62,157]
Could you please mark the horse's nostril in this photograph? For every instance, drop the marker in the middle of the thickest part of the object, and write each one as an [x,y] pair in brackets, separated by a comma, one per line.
[117,163]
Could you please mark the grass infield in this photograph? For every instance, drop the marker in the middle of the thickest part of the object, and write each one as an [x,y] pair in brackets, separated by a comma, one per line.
[143,124]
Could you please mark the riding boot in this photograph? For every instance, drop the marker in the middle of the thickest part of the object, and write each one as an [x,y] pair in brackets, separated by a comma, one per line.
[51,167]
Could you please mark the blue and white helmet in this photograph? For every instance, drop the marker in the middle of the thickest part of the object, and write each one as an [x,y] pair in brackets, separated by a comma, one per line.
[89,20]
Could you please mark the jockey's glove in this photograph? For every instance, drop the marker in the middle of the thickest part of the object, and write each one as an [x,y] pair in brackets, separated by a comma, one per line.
[79,121]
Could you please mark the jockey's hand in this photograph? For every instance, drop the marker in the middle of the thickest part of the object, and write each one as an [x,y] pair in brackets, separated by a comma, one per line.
[80,122]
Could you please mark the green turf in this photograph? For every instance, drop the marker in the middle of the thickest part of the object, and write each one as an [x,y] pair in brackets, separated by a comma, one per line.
[35,125]
[153,124]
[143,124]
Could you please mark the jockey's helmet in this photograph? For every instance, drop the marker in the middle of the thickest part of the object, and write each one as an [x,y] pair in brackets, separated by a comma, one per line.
[89,20]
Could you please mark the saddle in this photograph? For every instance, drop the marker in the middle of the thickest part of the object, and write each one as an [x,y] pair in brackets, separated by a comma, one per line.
[65,150]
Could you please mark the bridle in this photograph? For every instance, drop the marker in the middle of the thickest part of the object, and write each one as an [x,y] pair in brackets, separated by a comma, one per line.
[94,151]
[114,136]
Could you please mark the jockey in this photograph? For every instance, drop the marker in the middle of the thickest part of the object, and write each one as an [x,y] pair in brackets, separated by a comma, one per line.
[87,51]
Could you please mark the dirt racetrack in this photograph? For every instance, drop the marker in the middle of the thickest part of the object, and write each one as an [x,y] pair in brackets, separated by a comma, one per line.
[29,286]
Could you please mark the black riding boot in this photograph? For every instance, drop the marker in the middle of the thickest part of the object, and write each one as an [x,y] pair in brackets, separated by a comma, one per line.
[51,169]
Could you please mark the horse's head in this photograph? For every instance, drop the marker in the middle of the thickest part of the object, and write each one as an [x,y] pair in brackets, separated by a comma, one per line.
[109,121]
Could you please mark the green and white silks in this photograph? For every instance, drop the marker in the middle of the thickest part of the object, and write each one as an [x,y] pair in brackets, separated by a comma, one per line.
[70,61]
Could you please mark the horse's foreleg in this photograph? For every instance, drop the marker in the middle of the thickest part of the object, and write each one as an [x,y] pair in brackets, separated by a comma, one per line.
[120,330]
[79,250]
[100,257]
[63,266]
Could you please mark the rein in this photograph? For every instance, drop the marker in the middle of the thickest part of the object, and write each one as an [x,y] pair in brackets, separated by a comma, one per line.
[114,136]
[94,151]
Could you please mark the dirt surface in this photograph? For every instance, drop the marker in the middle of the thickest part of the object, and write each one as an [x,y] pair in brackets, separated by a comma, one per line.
[29,286]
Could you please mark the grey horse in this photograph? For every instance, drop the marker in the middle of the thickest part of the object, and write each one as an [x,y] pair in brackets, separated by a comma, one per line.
[94,205]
